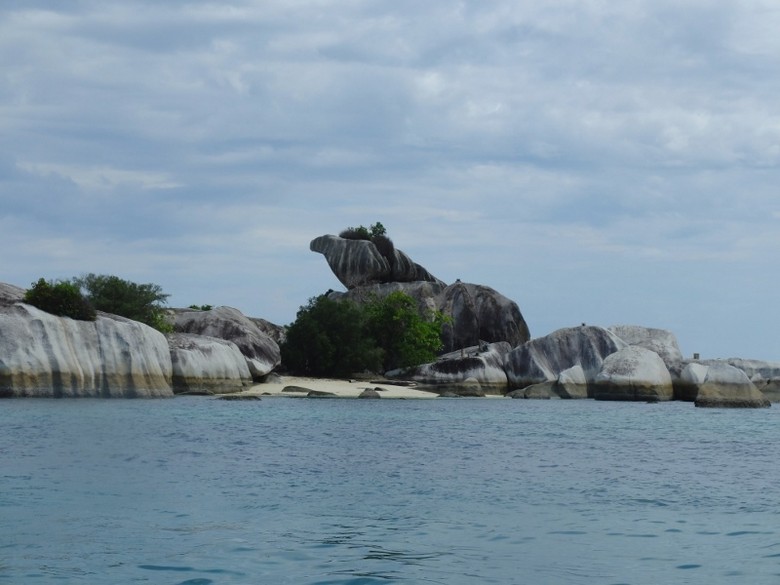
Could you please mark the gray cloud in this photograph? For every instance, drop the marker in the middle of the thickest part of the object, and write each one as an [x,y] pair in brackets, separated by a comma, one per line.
[597,162]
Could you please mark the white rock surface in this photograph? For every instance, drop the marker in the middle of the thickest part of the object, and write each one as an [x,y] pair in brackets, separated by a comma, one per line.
[207,365]
[45,355]
[633,373]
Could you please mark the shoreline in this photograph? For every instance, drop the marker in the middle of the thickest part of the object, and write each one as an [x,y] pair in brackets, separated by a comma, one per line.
[338,388]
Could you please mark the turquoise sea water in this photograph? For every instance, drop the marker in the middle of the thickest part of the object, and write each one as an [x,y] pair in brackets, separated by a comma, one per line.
[198,491]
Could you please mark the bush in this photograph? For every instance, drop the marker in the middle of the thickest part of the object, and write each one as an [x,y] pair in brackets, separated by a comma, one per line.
[61,298]
[329,338]
[339,338]
[139,302]
[363,233]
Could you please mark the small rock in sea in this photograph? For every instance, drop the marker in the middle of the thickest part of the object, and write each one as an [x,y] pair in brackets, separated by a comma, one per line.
[320,394]
[296,389]
[238,397]
[449,394]
[369,393]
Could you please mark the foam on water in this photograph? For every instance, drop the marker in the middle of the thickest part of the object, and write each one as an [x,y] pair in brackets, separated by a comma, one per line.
[344,492]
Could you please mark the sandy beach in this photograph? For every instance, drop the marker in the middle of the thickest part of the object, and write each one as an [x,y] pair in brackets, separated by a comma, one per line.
[339,388]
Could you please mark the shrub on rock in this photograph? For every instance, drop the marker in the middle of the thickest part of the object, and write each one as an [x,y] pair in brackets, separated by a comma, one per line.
[61,298]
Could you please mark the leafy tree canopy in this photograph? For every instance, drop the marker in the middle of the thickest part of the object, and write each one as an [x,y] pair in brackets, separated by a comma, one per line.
[329,338]
[364,233]
[406,338]
[61,298]
[139,302]
[339,338]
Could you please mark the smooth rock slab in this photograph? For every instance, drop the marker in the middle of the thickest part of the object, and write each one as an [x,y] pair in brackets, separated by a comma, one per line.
[49,356]
[207,365]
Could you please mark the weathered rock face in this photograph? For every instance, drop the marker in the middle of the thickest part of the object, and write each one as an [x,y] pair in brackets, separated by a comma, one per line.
[660,341]
[633,373]
[49,356]
[207,365]
[10,294]
[722,385]
[359,262]
[460,372]
[261,352]
[478,313]
[545,358]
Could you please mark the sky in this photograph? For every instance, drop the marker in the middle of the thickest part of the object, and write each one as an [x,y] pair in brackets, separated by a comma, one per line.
[595,161]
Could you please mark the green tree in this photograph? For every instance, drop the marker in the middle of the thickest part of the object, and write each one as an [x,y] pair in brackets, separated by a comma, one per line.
[139,302]
[406,337]
[61,298]
[329,338]
[338,338]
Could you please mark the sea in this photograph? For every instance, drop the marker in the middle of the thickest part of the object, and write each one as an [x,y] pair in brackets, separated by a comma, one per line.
[200,491]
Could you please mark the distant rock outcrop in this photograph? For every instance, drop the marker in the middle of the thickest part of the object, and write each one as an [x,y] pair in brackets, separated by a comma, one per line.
[722,385]
[207,365]
[633,373]
[360,263]
[261,352]
[112,357]
[545,358]
[764,375]
[474,371]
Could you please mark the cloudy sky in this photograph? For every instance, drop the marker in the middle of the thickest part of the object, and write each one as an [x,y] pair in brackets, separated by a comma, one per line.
[595,161]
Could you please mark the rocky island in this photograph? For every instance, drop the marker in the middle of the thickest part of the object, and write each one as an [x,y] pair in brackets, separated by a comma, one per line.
[487,349]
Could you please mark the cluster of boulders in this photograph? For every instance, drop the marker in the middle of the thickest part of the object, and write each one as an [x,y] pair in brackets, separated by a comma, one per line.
[486,343]
[216,351]
[489,350]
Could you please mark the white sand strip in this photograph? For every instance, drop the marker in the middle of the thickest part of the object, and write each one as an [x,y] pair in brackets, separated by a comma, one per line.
[341,388]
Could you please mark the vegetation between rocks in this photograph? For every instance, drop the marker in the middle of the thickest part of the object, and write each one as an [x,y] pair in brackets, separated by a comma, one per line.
[339,338]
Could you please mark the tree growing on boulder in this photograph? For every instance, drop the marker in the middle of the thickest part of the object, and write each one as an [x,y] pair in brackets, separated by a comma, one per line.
[61,298]
[139,302]
[364,233]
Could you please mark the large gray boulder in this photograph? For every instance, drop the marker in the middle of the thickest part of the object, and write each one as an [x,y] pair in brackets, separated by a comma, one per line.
[261,352]
[545,358]
[460,372]
[479,313]
[722,385]
[359,262]
[207,365]
[49,356]
[633,373]
[662,342]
